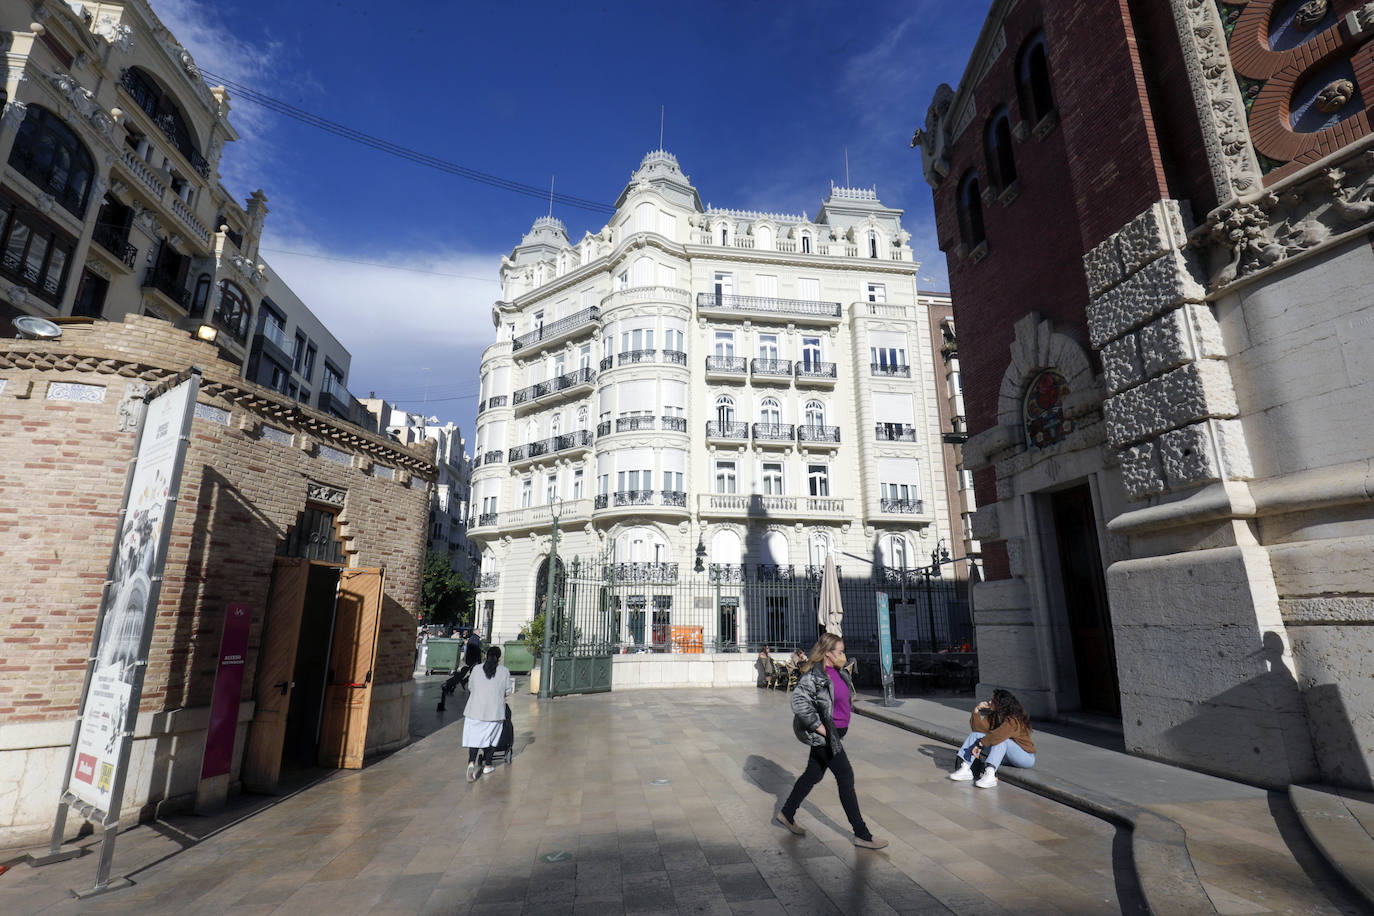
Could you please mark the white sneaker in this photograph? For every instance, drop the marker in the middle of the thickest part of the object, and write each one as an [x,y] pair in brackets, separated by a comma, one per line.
[472,772]
[488,768]
[963,772]
[988,780]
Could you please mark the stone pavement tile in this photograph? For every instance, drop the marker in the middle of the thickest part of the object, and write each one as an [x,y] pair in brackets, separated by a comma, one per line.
[501,890]
[847,889]
[800,895]
[741,882]
[768,907]
[1229,904]
[702,899]
[1070,898]
[596,906]
[407,894]
[725,853]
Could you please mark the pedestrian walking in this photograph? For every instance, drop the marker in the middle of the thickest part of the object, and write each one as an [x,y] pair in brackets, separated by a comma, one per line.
[821,707]
[1001,734]
[485,712]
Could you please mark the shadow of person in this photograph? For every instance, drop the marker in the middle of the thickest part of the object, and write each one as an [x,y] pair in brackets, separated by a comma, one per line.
[941,756]
[777,780]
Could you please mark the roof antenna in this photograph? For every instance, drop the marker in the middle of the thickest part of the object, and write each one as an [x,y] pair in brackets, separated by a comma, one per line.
[660,126]
[551,178]
[846,166]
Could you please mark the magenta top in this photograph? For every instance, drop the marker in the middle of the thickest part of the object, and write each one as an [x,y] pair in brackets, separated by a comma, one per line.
[841,689]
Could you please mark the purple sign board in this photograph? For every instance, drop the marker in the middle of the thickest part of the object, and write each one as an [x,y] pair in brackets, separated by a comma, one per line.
[224,706]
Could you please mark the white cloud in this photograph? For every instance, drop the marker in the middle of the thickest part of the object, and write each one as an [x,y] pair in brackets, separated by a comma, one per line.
[434,314]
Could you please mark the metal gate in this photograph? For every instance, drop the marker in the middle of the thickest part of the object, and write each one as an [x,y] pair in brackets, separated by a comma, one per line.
[583,635]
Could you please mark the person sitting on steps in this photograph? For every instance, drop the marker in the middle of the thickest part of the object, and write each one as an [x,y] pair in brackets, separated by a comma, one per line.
[1001,733]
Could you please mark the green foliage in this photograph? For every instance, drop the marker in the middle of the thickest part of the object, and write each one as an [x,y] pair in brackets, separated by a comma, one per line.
[445,598]
[534,634]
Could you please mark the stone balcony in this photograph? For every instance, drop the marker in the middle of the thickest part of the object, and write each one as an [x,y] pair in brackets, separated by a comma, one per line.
[755,505]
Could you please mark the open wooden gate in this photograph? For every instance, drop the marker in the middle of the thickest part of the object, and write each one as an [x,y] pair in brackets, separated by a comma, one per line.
[348,694]
[276,667]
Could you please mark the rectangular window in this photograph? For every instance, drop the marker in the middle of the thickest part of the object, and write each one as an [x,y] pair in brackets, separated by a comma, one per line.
[818,477]
[811,352]
[603,484]
[577,484]
[725,343]
[724,286]
[877,292]
[809,289]
[550,488]
[726,481]
[768,346]
[309,368]
[298,353]
[672,481]
[526,493]
[772,478]
[766,286]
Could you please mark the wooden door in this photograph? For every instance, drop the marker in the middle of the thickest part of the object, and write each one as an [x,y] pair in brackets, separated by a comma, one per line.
[1085,599]
[352,654]
[276,664]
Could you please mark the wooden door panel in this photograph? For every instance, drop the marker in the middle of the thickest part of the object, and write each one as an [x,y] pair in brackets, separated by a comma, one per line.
[276,664]
[348,695]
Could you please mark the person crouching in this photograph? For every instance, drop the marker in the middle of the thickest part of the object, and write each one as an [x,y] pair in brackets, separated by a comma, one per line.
[1001,734]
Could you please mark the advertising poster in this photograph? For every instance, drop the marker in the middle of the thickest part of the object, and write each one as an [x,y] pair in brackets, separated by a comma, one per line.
[129,601]
[884,640]
[224,704]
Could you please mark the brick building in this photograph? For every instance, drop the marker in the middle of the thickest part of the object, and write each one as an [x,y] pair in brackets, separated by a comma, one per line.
[1157,218]
[269,485]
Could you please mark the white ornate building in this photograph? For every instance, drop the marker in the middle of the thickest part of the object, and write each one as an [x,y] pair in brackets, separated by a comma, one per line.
[696,387]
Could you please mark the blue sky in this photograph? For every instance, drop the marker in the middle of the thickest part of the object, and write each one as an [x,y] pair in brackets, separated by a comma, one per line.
[762,101]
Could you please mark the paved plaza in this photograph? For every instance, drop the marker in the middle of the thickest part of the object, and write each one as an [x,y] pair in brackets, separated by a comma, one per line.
[654,802]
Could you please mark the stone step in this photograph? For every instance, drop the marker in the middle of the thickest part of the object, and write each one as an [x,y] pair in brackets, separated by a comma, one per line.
[1341,824]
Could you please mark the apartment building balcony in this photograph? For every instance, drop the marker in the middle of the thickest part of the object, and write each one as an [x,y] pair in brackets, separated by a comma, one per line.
[632,357]
[617,573]
[727,432]
[901,506]
[774,572]
[572,384]
[673,424]
[888,370]
[113,242]
[819,437]
[607,362]
[633,498]
[483,520]
[568,443]
[884,310]
[536,517]
[603,428]
[957,434]
[488,580]
[167,289]
[893,575]
[639,295]
[755,505]
[817,573]
[491,456]
[771,370]
[894,432]
[777,435]
[727,367]
[819,375]
[675,357]
[801,311]
[641,503]
[636,423]
[491,403]
[674,498]
[726,573]
[553,333]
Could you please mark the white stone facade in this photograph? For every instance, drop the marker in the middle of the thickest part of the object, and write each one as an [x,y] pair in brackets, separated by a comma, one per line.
[760,386]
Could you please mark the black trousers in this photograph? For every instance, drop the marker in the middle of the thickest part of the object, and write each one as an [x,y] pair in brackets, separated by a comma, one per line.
[822,759]
[486,754]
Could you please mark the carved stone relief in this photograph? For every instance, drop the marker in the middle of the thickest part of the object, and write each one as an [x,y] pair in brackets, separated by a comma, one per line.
[131,407]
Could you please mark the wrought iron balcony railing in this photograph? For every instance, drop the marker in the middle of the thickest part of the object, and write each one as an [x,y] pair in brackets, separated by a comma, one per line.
[607,362]
[731,365]
[168,286]
[634,497]
[601,501]
[578,439]
[903,506]
[718,430]
[555,328]
[773,572]
[45,285]
[554,385]
[778,367]
[634,356]
[489,580]
[818,572]
[675,356]
[775,432]
[485,519]
[818,434]
[603,428]
[896,576]
[632,424]
[726,572]
[641,572]
[675,424]
[676,498]
[895,432]
[767,304]
[115,240]
[498,400]
[817,370]
[890,370]
[491,456]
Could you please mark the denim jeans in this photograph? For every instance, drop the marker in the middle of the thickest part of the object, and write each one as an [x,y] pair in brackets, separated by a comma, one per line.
[821,760]
[993,756]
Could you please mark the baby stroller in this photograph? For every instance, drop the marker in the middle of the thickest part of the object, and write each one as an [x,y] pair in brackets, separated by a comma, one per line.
[505,746]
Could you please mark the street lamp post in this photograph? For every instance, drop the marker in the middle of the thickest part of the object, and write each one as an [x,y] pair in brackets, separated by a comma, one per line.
[546,662]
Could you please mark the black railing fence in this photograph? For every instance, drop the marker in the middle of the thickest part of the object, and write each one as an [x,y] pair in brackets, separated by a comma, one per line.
[612,608]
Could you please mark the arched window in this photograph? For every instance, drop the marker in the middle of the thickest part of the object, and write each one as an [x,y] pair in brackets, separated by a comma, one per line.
[724,234]
[872,244]
[806,243]
[970,206]
[997,146]
[895,552]
[725,547]
[1033,80]
[775,548]
[641,545]
[815,413]
[49,154]
[233,311]
[201,298]
[770,412]
[582,418]
[556,425]
[725,409]
[818,547]
[763,237]
[160,106]
[531,431]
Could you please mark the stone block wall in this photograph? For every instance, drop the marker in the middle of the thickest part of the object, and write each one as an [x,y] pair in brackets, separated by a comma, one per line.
[70,412]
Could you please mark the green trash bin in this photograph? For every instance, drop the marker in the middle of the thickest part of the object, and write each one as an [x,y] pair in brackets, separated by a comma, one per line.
[443,655]
[516,656]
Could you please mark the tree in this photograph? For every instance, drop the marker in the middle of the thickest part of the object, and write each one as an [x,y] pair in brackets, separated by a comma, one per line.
[445,598]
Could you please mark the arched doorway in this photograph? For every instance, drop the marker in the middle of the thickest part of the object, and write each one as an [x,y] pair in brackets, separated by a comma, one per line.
[541,587]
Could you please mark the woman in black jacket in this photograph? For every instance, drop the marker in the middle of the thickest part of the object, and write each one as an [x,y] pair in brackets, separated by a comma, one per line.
[821,703]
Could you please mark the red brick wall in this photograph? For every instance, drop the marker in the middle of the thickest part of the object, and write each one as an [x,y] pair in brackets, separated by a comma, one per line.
[62,471]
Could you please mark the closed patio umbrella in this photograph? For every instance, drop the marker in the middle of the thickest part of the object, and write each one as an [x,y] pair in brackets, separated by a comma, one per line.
[830,612]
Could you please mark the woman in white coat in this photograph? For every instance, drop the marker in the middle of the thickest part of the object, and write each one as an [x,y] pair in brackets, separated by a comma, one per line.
[485,711]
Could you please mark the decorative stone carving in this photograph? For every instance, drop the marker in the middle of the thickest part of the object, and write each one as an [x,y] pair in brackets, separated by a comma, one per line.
[114,32]
[324,493]
[934,139]
[131,407]
[1360,20]
[1310,14]
[1335,96]
[1162,285]
[45,203]
[119,188]
[1221,109]
[13,114]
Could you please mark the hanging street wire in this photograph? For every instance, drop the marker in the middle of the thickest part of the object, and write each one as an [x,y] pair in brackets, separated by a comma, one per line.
[414,270]
[395,149]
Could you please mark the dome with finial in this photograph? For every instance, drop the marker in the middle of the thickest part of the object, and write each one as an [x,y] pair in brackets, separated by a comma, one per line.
[660,168]
[547,229]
